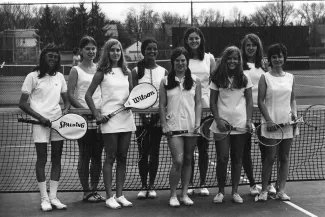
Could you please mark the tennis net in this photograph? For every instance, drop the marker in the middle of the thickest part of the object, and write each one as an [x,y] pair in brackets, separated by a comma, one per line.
[18,157]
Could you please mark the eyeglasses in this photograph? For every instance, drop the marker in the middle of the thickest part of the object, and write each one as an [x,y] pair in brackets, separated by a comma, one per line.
[52,56]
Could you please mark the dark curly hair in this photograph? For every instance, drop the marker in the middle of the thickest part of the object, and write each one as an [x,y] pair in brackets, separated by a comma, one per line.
[276,49]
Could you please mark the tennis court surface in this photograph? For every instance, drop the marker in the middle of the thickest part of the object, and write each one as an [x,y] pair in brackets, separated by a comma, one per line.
[307,199]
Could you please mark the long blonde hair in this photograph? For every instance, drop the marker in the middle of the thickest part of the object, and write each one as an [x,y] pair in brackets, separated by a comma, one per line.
[105,63]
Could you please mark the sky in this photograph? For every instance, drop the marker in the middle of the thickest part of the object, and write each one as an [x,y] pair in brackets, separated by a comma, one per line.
[117,9]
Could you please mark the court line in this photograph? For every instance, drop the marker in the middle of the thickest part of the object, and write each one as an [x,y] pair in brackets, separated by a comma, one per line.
[247,181]
[300,209]
[304,85]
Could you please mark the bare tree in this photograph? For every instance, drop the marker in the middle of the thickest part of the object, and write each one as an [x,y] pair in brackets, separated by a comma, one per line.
[274,14]
[208,17]
[143,23]
[311,13]
[235,15]
[16,16]
[173,18]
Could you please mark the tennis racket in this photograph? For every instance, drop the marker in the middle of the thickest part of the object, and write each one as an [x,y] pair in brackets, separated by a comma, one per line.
[227,128]
[69,126]
[142,96]
[203,130]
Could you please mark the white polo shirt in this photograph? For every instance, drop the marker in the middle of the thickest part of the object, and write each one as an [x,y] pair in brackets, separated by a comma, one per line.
[45,93]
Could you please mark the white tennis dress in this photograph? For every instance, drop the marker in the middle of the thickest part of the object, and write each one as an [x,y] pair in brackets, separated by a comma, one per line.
[181,106]
[277,102]
[201,68]
[255,75]
[232,105]
[115,91]
[154,77]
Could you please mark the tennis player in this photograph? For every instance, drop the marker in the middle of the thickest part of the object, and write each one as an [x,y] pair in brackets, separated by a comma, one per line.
[44,87]
[231,99]
[254,66]
[201,64]
[90,146]
[276,101]
[180,109]
[147,71]
[115,81]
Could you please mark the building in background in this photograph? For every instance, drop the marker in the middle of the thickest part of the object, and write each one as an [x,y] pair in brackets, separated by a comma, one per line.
[19,46]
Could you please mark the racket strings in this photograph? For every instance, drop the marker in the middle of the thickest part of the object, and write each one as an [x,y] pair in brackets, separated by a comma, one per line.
[315,116]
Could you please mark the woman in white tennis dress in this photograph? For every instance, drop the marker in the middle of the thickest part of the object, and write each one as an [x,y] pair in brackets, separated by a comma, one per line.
[277,103]
[43,88]
[231,99]
[147,71]
[254,66]
[180,109]
[201,64]
[90,145]
[115,81]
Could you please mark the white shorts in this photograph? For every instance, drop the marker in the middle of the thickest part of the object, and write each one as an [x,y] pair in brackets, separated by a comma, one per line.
[41,134]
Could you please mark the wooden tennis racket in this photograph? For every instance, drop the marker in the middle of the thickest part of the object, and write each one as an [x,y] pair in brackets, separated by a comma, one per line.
[69,126]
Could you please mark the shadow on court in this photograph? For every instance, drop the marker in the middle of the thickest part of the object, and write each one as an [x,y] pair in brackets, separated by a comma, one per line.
[309,196]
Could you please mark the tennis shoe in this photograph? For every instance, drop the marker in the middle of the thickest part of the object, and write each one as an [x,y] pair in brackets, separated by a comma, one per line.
[237,198]
[204,191]
[123,201]
[152,194]
[262,196]
[190,191]
[218,198]
[186,200]
[46,205]
[270,188]
[254,190]
[282,196]
[173,202]
[112,203]
[142,194]
[57,204]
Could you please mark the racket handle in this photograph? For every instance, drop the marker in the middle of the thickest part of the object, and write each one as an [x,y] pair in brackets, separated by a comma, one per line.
[24,120]
[108,116]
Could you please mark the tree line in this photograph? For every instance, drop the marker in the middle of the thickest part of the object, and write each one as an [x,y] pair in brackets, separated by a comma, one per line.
[66,25]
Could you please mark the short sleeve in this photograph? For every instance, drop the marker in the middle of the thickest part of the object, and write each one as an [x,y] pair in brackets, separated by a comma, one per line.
[249,82]
[213,86]
[29,84]
[64,88]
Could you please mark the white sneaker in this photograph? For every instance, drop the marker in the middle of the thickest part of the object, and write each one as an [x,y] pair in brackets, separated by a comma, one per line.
[142,194]
[123,201]
[270,188]
[152,194]
[282,196]
[186,200]
[218,198]
[204,192]
[173,202]
[254,190]
[190,191]
[57,204]
[46,205]
[237,198]
[111,203]
[262,196]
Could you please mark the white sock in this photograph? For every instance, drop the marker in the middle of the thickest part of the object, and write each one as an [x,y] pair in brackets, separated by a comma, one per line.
[43,191]
[53,188]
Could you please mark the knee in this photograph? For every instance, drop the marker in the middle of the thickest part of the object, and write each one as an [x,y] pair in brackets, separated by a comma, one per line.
[269,160]
[121,158]
[222,160]
[41,160]
[177,164]
[110,158]
[284,159]
[188,160]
